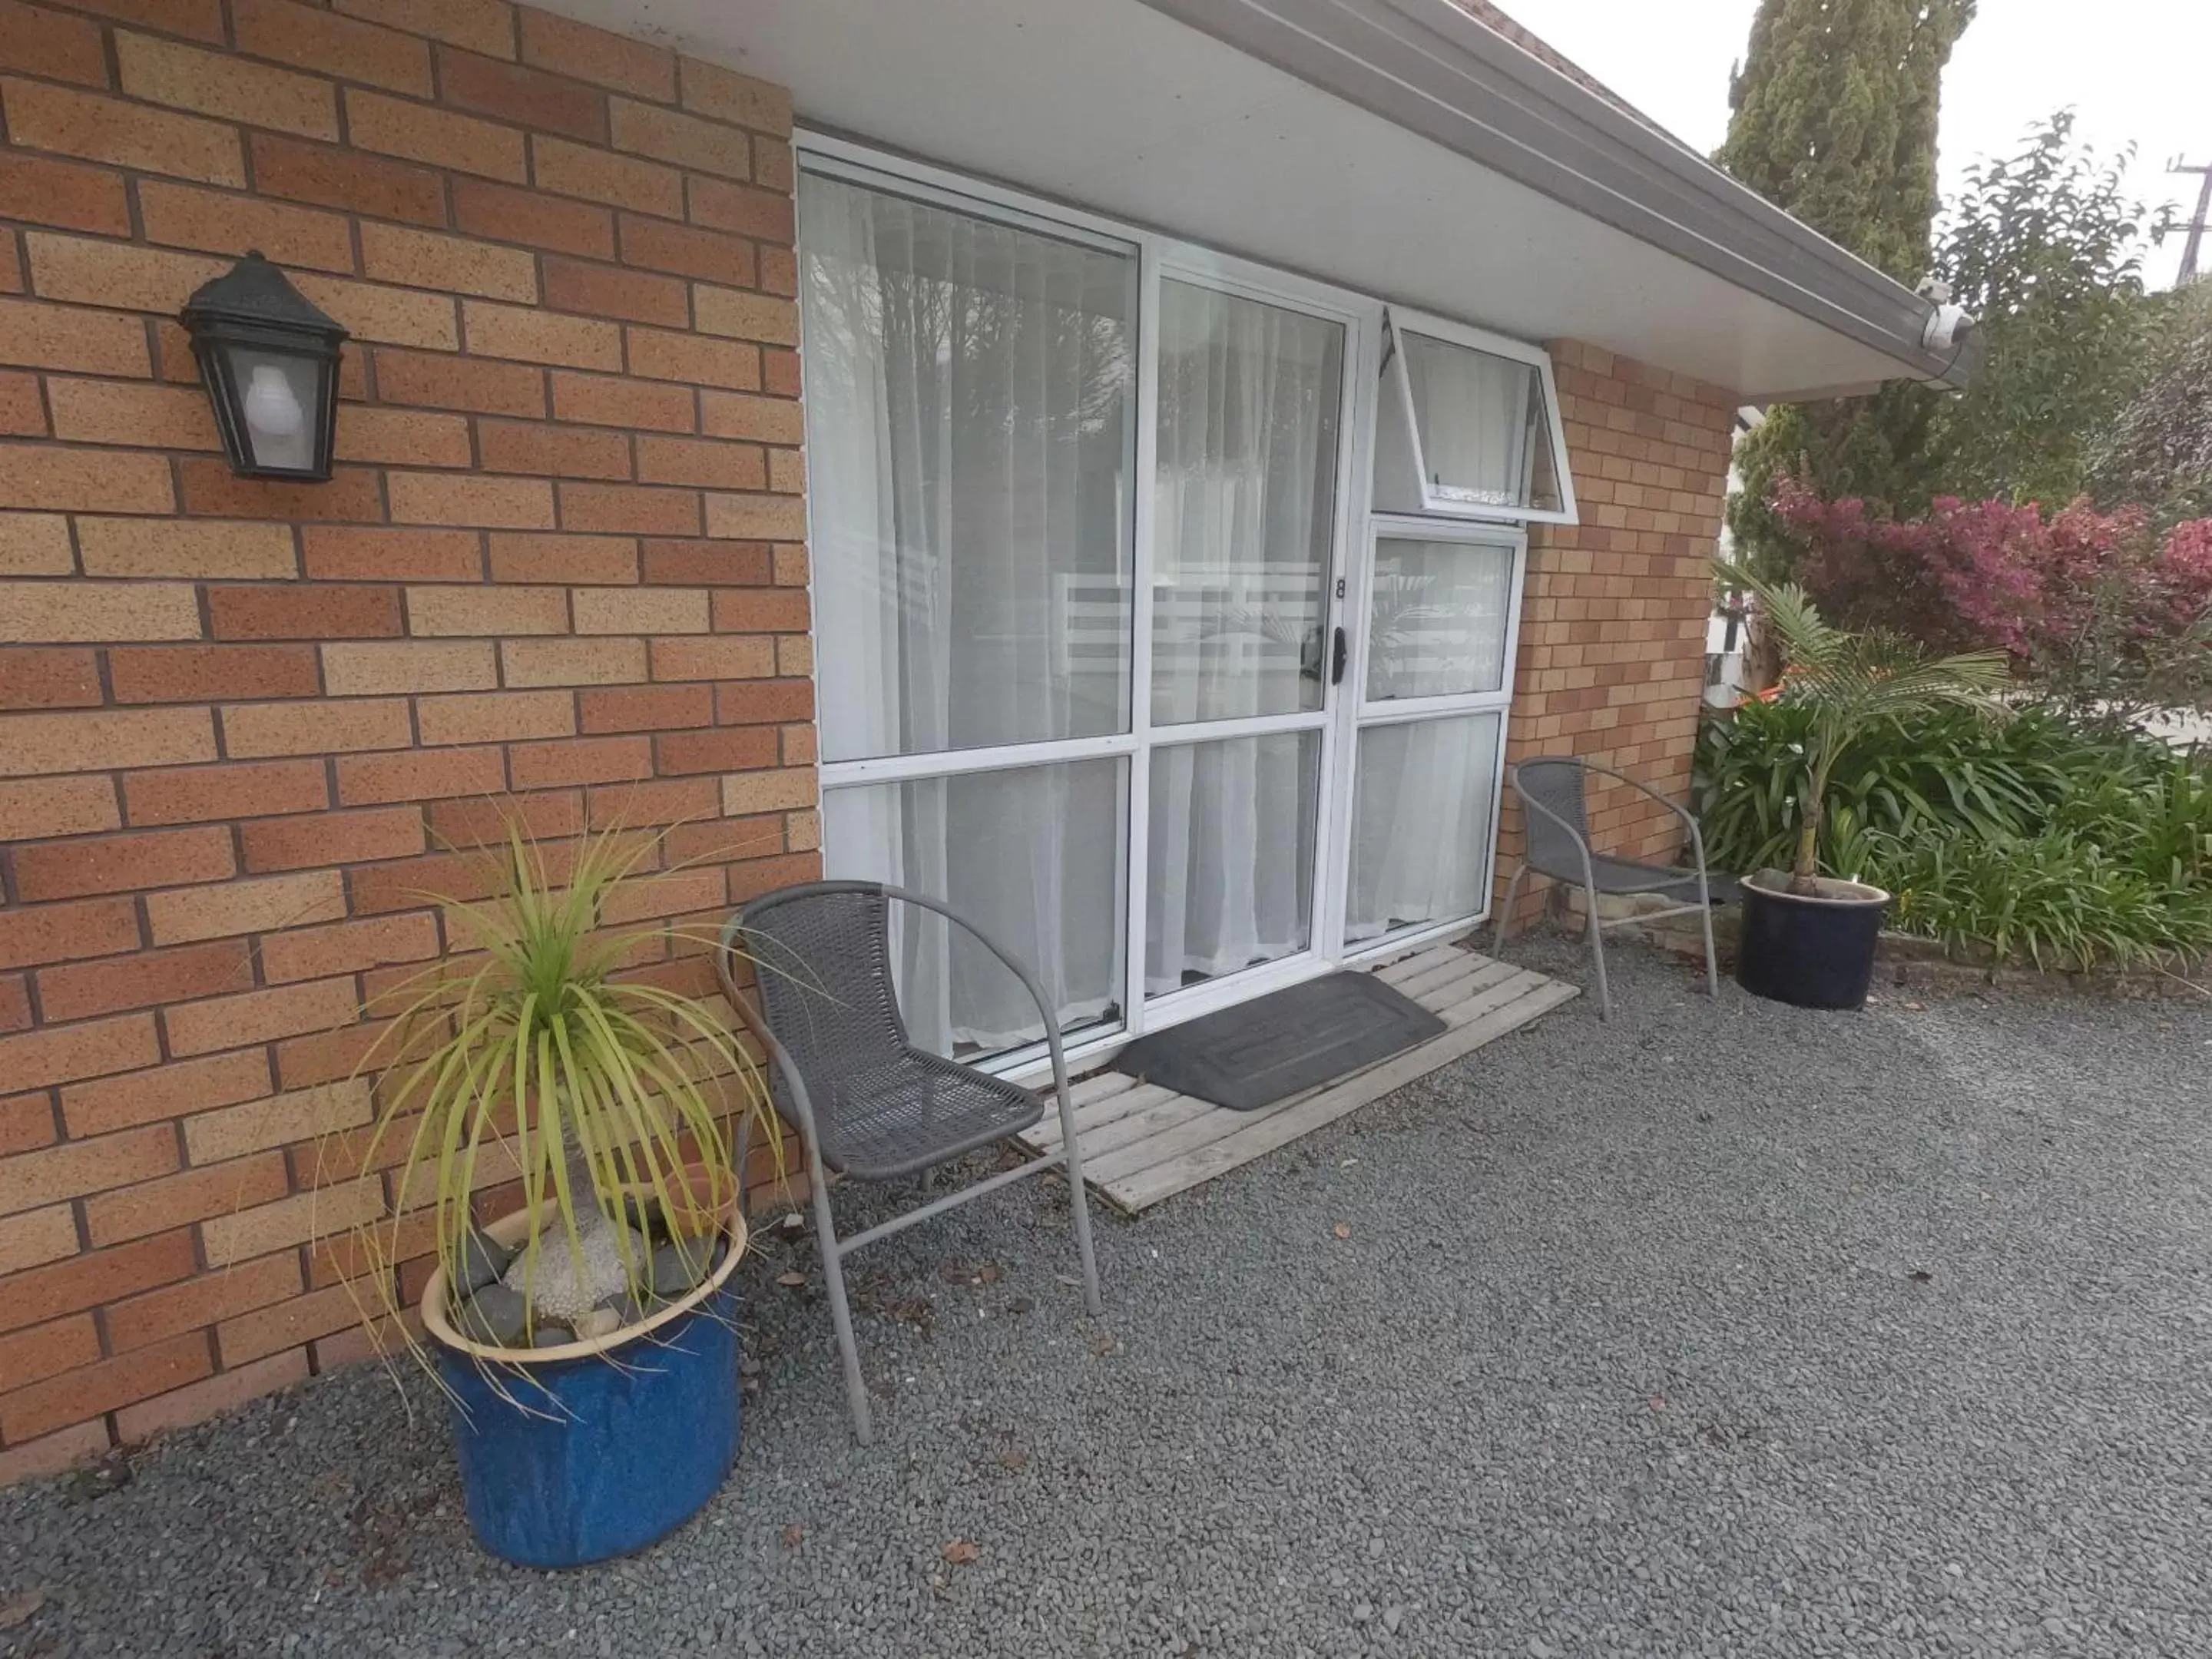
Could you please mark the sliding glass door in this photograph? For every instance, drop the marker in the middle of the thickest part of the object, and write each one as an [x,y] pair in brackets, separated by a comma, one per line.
[1164,606]
[971,426]
[1248,430]
[1076,522]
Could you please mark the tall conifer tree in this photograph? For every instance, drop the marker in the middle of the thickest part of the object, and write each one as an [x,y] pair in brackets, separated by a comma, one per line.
[1835,108]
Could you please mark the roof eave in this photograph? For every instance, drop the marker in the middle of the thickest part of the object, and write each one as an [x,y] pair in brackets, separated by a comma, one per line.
[1435,70]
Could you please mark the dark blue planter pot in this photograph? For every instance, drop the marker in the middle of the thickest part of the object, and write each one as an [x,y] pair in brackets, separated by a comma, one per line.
[566,1461]
[1809,952]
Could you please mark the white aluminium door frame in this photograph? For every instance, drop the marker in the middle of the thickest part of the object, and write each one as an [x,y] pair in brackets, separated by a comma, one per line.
[1355,712]
[1359,318]
[1347,607]
[1362,714]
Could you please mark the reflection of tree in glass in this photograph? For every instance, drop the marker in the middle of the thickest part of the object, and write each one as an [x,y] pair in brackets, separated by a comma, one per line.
[1301,633]
[943,338]
[969,386]
[1403,617]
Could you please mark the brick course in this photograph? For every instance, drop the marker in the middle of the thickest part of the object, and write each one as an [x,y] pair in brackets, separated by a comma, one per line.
[242,723]
[1613,625]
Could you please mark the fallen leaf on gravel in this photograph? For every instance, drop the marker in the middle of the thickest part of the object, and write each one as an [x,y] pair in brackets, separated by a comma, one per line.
[952,1270]
[918,1311]
[988,1273]
[1014,1458]
[1105,1343]
[793,1281]
[960,1553]
[793,1534]
[17,1609]
[1658,1402]
[1344,1230]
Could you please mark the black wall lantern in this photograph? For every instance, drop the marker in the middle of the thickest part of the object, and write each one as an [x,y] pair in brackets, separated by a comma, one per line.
[269,360]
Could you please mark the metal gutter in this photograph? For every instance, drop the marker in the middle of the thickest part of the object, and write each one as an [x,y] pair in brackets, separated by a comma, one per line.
[1435,70]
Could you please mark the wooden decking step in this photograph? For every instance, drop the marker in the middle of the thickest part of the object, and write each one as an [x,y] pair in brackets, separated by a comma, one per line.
[1142,1143]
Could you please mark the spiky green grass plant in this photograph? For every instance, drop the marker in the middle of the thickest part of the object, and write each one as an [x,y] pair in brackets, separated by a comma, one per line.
[527,1052]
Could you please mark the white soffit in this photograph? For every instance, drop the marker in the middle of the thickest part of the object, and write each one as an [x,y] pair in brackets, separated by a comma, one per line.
[1112,106]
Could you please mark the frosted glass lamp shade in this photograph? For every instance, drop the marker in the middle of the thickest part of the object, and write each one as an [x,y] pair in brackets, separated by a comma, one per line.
[269,359]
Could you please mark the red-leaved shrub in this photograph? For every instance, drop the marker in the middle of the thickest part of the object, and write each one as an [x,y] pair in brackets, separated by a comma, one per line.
[2094,605]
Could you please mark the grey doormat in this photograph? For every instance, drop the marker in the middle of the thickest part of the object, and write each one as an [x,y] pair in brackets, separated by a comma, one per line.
[1281,1044]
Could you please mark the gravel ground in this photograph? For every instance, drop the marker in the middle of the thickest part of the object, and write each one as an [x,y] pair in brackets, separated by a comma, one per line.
[1722,1330]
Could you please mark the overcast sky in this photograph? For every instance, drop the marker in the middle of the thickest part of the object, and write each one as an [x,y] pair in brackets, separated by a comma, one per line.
[2138,69]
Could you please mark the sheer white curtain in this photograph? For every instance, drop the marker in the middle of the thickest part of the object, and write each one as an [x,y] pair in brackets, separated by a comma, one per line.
[1033,856]
[1439,618]
[1421,818]
[1245,513]
[1472,411]
[969,435]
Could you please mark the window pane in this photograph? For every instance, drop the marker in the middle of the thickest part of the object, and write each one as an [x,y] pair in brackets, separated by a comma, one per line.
[1245,501]
[1438,624]
[1421,821]
[971,433]
[1230,880]
[1397,468]
[1034,857]
[1483,434]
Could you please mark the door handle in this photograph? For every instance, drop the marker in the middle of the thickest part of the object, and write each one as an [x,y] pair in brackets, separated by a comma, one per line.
[1336,656]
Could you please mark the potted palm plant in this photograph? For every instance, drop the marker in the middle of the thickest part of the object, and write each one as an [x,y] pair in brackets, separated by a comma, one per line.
[1808,939]
[586,1339]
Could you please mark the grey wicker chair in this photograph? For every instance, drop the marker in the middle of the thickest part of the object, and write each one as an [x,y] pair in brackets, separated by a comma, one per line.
[866,1103]
[1553,794]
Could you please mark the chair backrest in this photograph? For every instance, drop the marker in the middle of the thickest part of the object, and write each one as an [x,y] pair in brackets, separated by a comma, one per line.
[1557,783]
[822,956]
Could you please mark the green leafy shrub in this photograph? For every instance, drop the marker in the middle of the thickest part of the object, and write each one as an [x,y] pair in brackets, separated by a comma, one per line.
[2032,839]
[1850,686]
[2057,899]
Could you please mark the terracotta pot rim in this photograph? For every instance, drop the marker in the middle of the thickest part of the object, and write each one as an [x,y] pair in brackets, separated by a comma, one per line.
[510,1229]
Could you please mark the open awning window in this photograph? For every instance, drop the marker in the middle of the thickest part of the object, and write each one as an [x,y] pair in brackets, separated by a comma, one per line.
[1467,427]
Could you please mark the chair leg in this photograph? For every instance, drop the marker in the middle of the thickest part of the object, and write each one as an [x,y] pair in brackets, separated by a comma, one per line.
[1503,931]
[1081,1202]
[1706,915]
[840,1316]
[1598,953]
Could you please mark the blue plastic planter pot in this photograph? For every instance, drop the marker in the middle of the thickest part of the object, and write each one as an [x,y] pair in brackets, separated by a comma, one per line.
[572,1460]
[581,1455]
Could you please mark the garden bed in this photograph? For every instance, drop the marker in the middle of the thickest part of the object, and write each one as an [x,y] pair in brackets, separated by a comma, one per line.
[1907,961]
[2012,845]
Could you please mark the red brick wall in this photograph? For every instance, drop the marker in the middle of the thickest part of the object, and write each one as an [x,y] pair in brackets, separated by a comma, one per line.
[1612,631]
[561,555]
